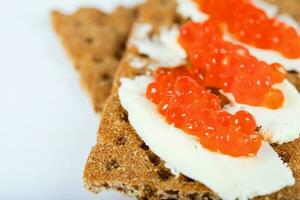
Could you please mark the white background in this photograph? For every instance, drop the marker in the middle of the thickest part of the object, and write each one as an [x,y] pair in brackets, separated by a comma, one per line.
[47,125]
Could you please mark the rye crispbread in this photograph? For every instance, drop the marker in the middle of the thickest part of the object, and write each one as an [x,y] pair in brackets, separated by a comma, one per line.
[95,42]
[122,162]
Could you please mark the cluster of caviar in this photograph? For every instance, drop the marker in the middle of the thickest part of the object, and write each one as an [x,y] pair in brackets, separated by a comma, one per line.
[230,67]
[183,100]
[252,25]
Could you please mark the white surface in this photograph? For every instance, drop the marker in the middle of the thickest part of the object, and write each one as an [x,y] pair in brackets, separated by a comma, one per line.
[231,178]
[47,125]
[163,48]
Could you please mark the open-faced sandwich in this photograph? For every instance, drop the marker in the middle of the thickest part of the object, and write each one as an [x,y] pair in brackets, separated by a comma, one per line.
[204,105]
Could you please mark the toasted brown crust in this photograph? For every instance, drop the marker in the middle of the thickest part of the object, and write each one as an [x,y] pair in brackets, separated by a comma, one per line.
[292,7]
[122,162]
[294,77]
[95,42]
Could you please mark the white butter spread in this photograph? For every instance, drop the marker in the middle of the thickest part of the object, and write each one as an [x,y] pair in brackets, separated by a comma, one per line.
[189,9]
[138,63]
[270,9]
[289,21]
[269,56]
[141,31]
[279,125]
[229,177]
[163,48]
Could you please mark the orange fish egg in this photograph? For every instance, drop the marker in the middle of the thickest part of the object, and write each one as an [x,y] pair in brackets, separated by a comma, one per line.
[185,103]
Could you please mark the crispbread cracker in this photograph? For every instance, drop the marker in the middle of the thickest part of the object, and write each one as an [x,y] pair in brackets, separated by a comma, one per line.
[122,161]
[95,42]
[292,7]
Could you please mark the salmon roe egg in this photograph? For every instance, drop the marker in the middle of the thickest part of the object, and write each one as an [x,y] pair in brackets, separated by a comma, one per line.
[184,102]
[230,67]
[253,26]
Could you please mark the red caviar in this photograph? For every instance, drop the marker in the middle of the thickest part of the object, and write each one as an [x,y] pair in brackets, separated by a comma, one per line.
[230,67]
[251,25]
[183,101]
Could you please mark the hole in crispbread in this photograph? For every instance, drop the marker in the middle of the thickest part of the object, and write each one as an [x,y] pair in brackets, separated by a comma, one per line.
[105,185]
[172,192]
[77,24]
[119,54]
[106,77]
[89,40]
[121,140]
[119,189]
[206,196]
[178,19]
[154,159]
[193,196]
[135,187]
[144,146]
[164,174]
[149,191]
[112,164]
[97,60]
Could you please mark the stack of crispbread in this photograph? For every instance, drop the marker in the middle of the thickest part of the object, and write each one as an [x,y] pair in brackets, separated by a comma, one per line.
[120,160]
